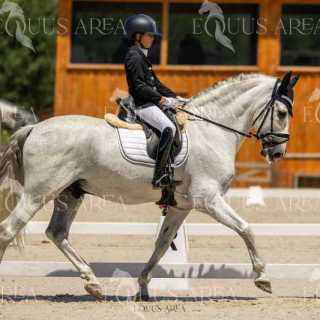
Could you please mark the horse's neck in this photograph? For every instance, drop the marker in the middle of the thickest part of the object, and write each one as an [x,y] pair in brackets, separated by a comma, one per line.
[233,106]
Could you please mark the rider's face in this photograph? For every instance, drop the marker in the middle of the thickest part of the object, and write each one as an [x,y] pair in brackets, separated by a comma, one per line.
[147,40]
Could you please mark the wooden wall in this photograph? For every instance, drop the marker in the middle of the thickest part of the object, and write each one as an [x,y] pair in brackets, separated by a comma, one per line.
[86,89]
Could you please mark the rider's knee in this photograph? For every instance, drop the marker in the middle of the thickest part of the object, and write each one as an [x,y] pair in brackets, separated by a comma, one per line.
[171,129]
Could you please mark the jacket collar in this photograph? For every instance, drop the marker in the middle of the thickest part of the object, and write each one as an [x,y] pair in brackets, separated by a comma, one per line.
[136,48]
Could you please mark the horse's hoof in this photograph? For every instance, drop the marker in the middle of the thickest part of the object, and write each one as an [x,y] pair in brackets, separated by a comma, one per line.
[263,284]
[95,290]
[141,297]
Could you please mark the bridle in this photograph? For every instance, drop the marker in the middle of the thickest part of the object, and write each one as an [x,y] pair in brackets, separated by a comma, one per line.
[276,96]
[269,107]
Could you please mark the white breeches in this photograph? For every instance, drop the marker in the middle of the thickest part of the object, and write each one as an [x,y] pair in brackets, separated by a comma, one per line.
[156,118]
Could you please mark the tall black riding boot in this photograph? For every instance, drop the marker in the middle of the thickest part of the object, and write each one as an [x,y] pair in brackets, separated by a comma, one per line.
[161,177]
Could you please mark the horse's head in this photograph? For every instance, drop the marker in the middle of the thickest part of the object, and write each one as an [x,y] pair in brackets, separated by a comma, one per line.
[13,117]
[272,122]
[209,7]
[23,118]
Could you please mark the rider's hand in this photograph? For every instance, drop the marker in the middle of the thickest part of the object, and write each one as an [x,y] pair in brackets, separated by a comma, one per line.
[186,100]
[169,102]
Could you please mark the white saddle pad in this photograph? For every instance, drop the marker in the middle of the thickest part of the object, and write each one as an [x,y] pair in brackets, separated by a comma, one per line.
[133,147]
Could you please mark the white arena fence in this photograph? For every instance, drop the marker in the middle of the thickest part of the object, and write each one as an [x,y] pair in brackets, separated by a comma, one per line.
[178,270]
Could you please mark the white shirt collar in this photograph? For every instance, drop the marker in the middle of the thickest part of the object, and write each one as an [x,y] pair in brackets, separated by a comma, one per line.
[145,51]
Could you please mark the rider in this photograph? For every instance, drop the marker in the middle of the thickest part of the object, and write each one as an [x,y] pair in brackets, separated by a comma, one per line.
[149,94]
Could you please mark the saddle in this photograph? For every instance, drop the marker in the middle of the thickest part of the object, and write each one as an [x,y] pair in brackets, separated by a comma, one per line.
[139,140]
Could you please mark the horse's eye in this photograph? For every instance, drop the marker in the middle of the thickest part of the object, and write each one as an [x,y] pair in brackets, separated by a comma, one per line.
[282,114]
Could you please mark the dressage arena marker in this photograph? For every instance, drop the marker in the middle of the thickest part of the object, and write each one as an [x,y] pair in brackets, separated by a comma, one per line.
[255,197]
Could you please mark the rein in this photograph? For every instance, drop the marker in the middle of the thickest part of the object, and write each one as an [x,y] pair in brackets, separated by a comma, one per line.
[265,111]
[248,135]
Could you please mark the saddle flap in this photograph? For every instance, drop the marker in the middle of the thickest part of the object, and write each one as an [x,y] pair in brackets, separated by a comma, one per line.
[133,147]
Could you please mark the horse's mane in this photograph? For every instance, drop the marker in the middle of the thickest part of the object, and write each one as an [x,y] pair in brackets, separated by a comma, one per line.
[224,92]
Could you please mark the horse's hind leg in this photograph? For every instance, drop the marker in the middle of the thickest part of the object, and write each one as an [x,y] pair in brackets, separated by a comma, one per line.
[25,209]
[169,228]
[66,206]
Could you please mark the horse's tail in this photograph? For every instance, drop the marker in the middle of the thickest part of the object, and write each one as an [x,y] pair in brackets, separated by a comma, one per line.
[11,158]
[11,166]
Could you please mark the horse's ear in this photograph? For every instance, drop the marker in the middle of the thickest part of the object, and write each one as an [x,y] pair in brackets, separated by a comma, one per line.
[294,81]
[285,82]
[286,79]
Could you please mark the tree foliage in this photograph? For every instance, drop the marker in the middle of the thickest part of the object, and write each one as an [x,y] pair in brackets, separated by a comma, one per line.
[27,77]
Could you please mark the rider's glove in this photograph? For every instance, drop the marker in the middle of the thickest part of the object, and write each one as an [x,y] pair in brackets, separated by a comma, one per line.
[170,103]
[183,99]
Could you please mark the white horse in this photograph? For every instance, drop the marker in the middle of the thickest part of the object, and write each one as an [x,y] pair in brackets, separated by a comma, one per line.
[13,117]
[64,157]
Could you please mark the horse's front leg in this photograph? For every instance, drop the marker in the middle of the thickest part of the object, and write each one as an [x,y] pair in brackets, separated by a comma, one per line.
[220,210]
[169,228]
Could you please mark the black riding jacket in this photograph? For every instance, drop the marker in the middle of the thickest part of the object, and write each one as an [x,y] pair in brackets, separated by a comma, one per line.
[144,86]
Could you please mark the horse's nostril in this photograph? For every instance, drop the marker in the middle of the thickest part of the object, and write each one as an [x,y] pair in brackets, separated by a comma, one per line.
[277,155]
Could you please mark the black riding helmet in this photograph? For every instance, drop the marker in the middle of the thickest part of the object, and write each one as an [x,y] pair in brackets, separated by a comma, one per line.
[140,23]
